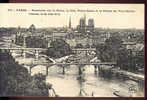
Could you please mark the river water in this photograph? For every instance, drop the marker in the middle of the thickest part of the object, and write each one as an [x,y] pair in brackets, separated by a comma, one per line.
[69,84]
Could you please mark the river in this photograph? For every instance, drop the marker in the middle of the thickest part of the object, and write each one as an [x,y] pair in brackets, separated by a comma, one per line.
[68,84]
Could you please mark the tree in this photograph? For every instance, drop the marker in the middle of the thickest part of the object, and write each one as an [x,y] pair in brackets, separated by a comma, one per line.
[59,48]
[113,51]
[36,42]
[16,81]
[108,51]
[79,45]
[123,59]
[87,45]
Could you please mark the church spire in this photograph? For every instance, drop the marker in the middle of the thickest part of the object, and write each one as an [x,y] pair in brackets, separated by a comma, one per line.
[85,22]
[85,17]
[70,22]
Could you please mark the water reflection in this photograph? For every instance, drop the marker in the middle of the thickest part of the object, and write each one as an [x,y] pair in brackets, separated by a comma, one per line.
[81,80]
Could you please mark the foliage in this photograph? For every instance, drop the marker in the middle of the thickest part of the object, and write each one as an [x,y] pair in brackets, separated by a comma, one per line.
[108,52]
[87,45]
[32,41]
[113,51]
[123,59]
[36,42]
[59,48]
[79,45]
[15,80]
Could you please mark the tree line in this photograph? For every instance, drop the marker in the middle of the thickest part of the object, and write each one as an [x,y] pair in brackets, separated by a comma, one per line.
[16,81]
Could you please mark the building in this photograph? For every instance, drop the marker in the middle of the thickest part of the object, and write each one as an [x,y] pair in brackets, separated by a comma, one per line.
[83,27]
[32,28]
[70,23]
[90,26]
[59,35]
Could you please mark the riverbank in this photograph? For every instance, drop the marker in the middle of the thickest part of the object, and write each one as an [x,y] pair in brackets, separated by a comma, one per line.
[134,82]
[115,71]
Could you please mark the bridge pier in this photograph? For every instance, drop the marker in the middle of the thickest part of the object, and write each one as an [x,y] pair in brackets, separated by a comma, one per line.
[86,53]
[24,54]
[36,54]
[95,68]
[63,71]
[30,69]
[21,52]
[80,67]
[46,70]
[80,71]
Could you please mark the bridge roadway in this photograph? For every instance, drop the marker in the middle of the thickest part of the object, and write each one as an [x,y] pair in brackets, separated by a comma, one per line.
[44,49]
[37,50]
[98,63]
[47,65]
[23,48]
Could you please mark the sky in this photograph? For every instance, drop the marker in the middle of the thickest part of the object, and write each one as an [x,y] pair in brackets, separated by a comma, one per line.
[104,15]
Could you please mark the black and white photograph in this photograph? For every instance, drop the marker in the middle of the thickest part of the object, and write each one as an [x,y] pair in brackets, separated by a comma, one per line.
[72,50]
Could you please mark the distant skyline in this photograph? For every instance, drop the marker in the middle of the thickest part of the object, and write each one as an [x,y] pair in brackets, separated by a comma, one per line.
[103,20]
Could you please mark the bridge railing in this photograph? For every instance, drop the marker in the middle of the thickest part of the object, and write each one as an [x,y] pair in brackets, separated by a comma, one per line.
[100,63]
[23,48]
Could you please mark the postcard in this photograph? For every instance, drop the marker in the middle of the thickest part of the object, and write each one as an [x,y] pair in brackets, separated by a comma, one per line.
[72,50]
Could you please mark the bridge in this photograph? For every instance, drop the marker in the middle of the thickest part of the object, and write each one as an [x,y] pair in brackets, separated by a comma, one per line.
[64,64]
[23,48]
[44,49]
[83,49]
[37,50]
[98,63]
